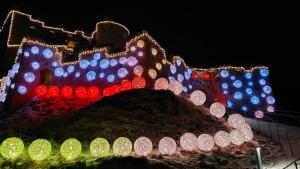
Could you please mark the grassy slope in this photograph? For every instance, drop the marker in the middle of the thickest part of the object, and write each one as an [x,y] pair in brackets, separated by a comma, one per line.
[154,114]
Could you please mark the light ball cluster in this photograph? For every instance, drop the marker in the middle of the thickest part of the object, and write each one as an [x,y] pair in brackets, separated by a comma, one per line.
[11,148]
[188,142]
[198,97]
[167,146]
[236,120]
[99,147]
[176,87]
[70,149]
[39,149]
[205,142]
[143,146]
[122,146]
[217,109]
[222,138]
[161,84]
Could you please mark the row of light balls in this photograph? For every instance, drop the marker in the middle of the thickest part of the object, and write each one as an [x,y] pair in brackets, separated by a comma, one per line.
[90,92]
[40,149]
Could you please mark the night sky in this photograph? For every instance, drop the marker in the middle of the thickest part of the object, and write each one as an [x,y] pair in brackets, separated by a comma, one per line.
[204,36]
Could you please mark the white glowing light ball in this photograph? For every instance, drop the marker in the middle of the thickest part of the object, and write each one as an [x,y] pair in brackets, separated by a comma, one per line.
[198,97]
[167,146]
[205,142]
[152,73]
[138,70]
[217,109]
[122,146]
[259,114]
[161,84]
[99,147]
[236,120]
[188,141]
[222,139]
[143,146]
[237,137]
[247,131]
[176,87]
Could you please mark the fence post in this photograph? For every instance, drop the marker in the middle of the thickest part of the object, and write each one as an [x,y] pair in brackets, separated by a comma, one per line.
[258,158]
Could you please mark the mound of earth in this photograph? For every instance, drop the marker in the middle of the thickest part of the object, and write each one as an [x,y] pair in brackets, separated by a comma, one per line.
[135,113]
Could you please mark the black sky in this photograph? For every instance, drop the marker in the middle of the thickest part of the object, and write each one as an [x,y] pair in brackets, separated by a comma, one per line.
[245,35]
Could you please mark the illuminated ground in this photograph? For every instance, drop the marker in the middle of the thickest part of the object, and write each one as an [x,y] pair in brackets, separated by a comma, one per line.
[154,114]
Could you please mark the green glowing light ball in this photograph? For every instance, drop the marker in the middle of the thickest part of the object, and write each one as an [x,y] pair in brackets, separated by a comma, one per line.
[12,148]
[70,149]
[39,149]
[122,146]
[99,147]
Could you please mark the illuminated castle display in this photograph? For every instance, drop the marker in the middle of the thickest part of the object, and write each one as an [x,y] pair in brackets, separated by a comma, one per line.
[93,69]
[50,67]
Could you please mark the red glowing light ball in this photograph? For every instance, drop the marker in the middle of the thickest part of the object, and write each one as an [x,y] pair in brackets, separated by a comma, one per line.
[93,92]
[115,89]
[107,92]
[41,90]
[126,85]
[53,91]
[81,92]
[138,82]
[195,75]
[67,91]
[206,76]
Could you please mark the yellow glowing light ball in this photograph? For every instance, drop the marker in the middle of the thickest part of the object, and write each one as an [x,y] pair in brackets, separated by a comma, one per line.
[158,66]
[222,139]
[176,87]
[161,84]
[152,73]
[99,147]
[39,149]
[143,146]
[236,120]
[122,146]
[237,137]
[188,141]
[198,97]
[205,142]
[12,148]
[140,43]
[217,109]
[167,146]
[153,51]
[70,149]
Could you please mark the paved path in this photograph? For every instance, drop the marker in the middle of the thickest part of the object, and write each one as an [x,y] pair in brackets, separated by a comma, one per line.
[287,136]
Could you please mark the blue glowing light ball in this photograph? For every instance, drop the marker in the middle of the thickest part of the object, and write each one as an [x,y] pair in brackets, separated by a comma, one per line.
[47,53]
[84,63]
[238,95]
[224,73]
[254,100]
[237,84]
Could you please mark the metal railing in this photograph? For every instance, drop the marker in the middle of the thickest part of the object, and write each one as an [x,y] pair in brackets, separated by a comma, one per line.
[293,163]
